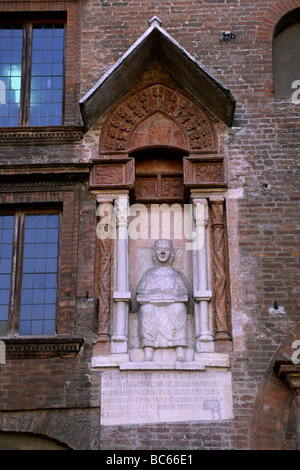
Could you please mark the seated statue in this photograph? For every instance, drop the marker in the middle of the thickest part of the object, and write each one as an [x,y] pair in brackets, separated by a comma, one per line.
[162,293]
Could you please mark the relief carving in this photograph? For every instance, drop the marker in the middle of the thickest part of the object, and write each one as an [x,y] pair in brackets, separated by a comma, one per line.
[120,127]
[104,289]
[208,173]
[201,171]
[146,188]
[159,186]
[114,173]
[172,188]
[219,269]
[110,175]
[162,294]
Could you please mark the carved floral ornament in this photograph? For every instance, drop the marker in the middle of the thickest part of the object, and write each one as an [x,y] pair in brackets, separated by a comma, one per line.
[157,116]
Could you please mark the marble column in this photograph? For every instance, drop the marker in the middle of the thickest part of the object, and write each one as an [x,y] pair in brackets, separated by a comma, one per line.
[219,269]
[121,293]
[202,292]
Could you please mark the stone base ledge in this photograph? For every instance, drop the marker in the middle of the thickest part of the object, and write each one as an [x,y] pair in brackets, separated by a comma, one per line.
[200,361]
[111,360]
[162,366]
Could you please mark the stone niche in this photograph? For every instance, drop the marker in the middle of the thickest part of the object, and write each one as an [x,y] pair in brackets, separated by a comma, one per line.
[156,351]
[140,258]
[163,387]
[193,384]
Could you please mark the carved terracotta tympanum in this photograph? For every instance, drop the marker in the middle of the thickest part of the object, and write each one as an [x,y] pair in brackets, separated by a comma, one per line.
[155,116]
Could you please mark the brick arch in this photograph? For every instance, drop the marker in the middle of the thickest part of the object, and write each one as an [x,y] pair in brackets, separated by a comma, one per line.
[70,429]
[273,15]
[28,441]
[183,123]
[275,404]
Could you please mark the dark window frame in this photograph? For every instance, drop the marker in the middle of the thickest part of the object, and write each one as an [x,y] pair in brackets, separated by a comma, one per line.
[17,265]
[28,21]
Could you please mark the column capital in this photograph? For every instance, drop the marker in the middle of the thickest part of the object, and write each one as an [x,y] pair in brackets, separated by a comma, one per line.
[201,211]
[122,210]
[108,196]
[217,199]
[217,211]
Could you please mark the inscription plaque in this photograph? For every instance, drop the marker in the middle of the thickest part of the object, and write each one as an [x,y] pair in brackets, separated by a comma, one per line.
[135,397]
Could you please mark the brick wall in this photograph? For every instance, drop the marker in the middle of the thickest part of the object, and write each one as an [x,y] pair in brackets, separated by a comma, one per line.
[34,379]
[263,229]
[263,225]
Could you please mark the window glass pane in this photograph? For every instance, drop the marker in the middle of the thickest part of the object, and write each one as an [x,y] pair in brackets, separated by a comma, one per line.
[286,66]
[6,250]
[47,75]
[11,37]
[39,280]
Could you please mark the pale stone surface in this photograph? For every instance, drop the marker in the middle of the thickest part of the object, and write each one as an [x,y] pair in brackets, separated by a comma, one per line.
[121,293]
[163,358]
[111,360]
[213,359]
[161,355]
[175,365]
[202,278]
[136,397]
[162,293]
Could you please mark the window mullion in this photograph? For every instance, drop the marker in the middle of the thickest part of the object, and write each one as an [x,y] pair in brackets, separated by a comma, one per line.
[26,74]
[18,267]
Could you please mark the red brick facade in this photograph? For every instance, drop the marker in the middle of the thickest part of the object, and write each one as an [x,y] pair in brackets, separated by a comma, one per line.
[47,386]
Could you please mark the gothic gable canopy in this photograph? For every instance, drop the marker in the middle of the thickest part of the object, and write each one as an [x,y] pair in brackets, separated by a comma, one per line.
[157,45]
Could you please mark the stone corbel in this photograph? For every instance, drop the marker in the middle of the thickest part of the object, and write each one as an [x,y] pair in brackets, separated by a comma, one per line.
[121,295]
[289,373]
[202,293]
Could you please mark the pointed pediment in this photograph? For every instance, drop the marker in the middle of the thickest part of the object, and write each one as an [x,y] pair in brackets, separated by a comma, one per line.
[157,45]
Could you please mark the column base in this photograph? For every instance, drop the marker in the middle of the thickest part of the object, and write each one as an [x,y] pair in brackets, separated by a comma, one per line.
[222,336]
[205,345]
[119,344]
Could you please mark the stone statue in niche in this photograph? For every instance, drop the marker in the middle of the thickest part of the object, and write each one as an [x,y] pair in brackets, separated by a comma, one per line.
[162,294]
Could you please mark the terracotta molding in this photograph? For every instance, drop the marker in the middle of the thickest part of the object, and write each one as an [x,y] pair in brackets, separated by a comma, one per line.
[196,130]
[42,347]
[41,135]
[219,268]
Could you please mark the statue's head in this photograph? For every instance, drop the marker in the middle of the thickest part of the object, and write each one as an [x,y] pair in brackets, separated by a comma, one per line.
[163,252]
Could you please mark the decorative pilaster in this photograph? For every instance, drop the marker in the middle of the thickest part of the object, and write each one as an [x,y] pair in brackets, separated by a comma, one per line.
[105,231]
[121,293]
[219,268]
[202,293]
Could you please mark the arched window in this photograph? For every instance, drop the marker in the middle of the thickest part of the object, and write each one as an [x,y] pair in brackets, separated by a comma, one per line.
[286,54]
